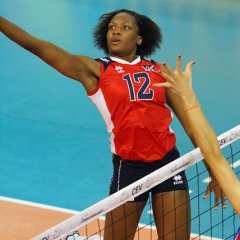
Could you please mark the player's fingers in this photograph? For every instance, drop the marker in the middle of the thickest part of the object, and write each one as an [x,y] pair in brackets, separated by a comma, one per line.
[216,201]
[223,201]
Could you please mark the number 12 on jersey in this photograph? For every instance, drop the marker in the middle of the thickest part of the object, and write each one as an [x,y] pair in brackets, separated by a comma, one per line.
[144,92]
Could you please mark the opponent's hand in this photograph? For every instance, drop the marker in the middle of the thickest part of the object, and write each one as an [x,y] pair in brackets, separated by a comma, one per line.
[214,187]
[178,81]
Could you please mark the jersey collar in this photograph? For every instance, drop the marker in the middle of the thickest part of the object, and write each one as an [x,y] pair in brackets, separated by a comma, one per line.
[137,60]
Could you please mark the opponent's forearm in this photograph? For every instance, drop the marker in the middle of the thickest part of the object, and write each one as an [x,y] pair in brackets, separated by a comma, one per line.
[207,142]
[202,130]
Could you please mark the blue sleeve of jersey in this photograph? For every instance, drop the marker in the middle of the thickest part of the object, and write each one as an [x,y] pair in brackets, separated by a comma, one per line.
[106,61]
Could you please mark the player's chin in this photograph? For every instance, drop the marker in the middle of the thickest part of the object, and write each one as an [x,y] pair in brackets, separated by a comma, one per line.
[116,52]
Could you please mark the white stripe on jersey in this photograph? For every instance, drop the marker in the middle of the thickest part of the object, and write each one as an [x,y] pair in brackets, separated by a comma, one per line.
[99,101]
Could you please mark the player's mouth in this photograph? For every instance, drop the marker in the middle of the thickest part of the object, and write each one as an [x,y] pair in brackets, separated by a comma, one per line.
[114,41]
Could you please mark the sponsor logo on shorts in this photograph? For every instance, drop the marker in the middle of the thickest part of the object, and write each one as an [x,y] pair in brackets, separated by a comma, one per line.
[177,179]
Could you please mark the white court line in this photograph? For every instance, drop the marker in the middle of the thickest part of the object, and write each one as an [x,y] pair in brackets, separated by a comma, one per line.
[38,205]
[44,206]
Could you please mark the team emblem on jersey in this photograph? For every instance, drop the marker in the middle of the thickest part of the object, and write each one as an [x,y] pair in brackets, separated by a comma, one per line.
[119,69]
[149,68]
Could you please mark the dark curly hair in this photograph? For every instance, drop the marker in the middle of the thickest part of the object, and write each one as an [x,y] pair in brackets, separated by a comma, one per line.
[148,30]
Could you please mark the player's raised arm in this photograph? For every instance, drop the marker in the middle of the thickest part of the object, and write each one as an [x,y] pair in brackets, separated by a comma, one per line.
[181,83]
[80,68]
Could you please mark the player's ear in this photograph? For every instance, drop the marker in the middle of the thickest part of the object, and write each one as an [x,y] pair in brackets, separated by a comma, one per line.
[139,41]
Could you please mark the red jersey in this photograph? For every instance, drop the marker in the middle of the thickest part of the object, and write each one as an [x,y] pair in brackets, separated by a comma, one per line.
[135,113]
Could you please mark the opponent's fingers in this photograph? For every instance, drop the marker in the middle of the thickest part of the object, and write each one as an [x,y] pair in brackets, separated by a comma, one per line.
[165,84]
[189,66]
[166,69]
[164,73]
[167,73]
[178,64]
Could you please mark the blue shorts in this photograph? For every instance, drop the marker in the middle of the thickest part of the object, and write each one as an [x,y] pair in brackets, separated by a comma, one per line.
[125,172]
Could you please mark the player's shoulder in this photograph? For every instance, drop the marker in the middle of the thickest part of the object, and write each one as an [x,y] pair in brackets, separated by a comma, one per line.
[149,61]
[105,61]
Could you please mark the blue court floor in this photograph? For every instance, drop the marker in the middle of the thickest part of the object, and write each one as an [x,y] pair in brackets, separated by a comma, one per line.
[54,146]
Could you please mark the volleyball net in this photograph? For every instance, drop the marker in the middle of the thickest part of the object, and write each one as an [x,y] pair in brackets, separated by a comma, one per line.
[205,220]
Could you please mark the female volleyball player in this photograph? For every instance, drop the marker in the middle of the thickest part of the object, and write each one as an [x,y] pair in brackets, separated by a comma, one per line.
[135,113]
[181,83]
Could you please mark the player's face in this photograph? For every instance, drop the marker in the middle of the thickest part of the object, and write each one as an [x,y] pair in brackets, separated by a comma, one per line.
[123,37]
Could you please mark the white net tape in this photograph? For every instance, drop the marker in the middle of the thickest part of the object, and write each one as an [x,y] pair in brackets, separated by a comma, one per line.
[60,231]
